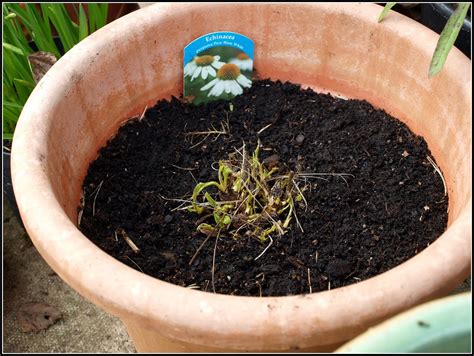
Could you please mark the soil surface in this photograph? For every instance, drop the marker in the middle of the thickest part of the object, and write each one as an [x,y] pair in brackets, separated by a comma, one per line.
[392,208]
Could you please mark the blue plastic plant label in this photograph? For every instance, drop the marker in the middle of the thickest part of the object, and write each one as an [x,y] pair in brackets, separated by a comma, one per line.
[217,66]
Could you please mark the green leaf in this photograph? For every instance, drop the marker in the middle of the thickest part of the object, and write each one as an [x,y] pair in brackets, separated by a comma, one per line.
[97,16]
[10,16]
[10,118]
[12,35]
[102,16]
[210,200]
[21,12]
[35,27]
[91,15]
[72,27]
[14,105]
[13,48]
[386,10]
[40,29]
[60,22]
[82,23]
[47,24]
[10,115]
[447,38]
[17,65]
[9,92]
[227,220]
[24,83]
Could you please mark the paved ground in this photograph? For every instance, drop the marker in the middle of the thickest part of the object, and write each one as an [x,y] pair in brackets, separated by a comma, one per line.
[84,327]
[27,278]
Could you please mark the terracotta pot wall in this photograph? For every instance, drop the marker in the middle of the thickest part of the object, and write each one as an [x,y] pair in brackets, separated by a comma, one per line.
[137,59]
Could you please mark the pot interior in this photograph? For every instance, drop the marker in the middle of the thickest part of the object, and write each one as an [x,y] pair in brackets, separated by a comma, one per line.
[114,75]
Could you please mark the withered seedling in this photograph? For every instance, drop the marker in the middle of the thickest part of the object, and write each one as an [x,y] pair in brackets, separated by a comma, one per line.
[249,198]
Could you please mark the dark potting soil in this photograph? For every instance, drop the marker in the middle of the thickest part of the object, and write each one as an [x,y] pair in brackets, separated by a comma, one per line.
[391,208]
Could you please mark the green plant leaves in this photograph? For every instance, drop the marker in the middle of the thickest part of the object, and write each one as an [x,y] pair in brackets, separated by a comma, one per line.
[13,48]
[27,22]
[83,30]
[197,190]
[60,19]
[386,10]
[97,16]
[251,209]
[447,38]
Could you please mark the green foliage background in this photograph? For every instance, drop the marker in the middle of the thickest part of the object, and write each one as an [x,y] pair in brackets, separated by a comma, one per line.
[34,24]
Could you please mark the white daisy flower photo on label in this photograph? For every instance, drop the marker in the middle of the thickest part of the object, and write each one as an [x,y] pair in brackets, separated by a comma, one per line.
[243,62]
[229,80]
[202,65]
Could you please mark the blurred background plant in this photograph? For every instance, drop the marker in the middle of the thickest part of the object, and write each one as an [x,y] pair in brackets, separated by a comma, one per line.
[46,27]
[457,19]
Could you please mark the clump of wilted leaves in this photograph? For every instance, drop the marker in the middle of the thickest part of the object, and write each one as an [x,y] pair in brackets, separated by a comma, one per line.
[250,198]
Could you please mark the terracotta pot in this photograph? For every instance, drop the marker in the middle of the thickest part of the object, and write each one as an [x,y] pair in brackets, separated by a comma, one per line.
[113,74]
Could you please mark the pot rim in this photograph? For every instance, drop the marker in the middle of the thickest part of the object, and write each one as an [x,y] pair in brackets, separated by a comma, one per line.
[290,320]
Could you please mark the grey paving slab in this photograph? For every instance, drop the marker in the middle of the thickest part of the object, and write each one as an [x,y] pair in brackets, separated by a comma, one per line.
[27,278]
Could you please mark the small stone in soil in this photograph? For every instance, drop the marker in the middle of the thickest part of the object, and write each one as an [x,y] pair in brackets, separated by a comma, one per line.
[299,139]
[168,218]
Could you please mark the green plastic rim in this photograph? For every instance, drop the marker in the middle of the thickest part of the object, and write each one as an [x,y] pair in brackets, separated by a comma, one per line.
[443,325]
